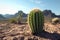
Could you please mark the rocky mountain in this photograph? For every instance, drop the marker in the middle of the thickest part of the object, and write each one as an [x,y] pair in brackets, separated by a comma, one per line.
[58,16]
[49,13]
[20,13]
[2,17]
[8,16]
[15,15]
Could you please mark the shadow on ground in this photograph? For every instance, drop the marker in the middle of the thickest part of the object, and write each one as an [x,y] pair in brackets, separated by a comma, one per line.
[51,36]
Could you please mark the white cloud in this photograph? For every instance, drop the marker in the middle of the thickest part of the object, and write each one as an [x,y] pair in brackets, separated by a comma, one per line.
[36,1]
[12,9]
[9,8]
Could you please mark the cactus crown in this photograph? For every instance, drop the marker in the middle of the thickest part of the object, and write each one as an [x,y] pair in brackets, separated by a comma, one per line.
[35,10]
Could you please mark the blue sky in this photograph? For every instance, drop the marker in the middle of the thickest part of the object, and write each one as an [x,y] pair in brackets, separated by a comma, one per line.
[12,6]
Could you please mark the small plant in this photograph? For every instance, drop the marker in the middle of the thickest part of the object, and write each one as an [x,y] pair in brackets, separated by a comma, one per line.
[20,16]
[55,20]
[12,20]
[36,21]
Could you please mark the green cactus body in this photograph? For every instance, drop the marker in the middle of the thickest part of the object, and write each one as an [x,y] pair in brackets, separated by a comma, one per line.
[36,21]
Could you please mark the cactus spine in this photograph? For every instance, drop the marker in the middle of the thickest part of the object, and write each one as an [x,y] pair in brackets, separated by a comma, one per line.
[36,21]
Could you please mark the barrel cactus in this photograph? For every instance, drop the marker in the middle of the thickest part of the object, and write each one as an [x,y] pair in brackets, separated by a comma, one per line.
[55,20]
[36,21]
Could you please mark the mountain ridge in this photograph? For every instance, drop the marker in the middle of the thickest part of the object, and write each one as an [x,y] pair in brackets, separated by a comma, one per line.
[47,13]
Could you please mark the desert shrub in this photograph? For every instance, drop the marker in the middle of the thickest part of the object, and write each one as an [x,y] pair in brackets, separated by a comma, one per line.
[12,20]
[36,21]
[55,20]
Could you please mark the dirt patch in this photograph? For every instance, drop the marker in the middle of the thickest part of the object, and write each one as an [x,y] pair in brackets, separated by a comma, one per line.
[23,32]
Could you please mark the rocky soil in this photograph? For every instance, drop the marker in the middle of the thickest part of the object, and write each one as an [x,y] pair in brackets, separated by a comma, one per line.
[23,32]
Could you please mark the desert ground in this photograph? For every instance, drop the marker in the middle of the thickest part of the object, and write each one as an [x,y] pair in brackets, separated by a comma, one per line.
[10,31]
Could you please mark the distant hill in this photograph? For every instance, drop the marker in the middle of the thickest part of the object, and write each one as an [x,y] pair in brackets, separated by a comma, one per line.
[49,13]
[58,16]
[2,17]
[8,16]
[20,12]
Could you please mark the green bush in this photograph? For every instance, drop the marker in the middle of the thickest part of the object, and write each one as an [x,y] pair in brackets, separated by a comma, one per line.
[12,20]
[36,21]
